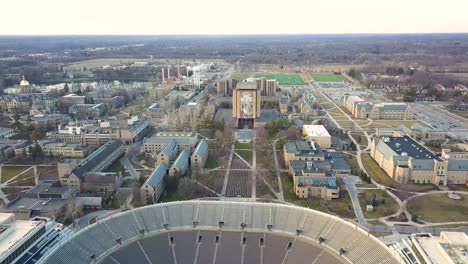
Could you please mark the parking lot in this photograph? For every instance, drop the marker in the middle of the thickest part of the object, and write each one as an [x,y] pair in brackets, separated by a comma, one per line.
[440,120]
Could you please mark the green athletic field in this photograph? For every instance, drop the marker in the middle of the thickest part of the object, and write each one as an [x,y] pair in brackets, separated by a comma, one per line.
[326,77]
[283,79]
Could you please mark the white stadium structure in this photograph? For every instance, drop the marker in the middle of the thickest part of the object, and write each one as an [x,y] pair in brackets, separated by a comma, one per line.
[222,232]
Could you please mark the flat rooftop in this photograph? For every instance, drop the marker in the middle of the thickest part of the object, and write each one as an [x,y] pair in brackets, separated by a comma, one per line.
[315,131]
[15,233]
[409,146]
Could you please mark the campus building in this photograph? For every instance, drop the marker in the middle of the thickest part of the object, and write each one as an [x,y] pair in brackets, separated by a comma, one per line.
[449,247]
[199,156]
[95,134]
[317,134]
[67,150]
[74,174]
[180,165]
[183,140]
[416,131]
[313,170]
[168,154]
[154,186]
[405,160]
[225,87]
[362,109]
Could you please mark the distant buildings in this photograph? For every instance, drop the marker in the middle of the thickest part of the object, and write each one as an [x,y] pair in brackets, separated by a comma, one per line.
[88,110]
[73,98]
[6,132]
[405,160]
[317,134]
[225,87]
[67,150]
[363,110]
[23,102]
[95,134]
[416,131]
[154,186]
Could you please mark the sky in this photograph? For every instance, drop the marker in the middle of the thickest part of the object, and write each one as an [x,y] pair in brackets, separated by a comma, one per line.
[172,17]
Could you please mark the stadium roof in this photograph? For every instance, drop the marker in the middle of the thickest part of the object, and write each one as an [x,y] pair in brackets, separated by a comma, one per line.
[222,232]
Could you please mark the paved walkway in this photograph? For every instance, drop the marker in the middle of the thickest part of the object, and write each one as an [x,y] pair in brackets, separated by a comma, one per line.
[228,170]
[278,175]
[128,165]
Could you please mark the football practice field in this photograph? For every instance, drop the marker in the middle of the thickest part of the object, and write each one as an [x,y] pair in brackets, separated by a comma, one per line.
[327,77]
[283,79]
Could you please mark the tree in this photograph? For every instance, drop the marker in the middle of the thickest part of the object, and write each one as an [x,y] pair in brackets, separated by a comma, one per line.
[89,100]
[66,88]
[73,210]
[32,152]
[37,134]
[38,150]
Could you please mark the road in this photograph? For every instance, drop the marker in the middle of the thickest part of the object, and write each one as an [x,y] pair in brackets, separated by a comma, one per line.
[349,183]
[128,165]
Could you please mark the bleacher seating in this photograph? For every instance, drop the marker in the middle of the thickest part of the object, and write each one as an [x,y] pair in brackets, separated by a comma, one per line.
[227,231]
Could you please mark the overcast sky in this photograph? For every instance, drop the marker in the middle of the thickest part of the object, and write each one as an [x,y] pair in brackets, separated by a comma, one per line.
[161,17]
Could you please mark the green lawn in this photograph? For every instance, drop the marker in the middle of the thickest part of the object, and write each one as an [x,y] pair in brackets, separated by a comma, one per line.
[459,113]
[211,161]
[10,172]
[439,208]
[388,207]
[246,154]
[283,79]
[327,77]
[116,167]
[244,145]
[380,176]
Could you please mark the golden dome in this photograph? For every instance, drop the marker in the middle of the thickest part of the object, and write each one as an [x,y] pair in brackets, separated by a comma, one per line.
[24,82]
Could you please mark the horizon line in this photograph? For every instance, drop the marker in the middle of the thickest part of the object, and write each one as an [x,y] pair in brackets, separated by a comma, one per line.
[237,34]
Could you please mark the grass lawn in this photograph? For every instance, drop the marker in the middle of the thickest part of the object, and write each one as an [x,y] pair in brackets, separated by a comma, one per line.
[211,161]
[283,79]
[327,77]
[243,145]
[439,208]
[116,167]
[241,75]
[382,209]
[352,161]
[10,172]
[380,176]
[246,154]
[460,113]
[342,207]
[25,179]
